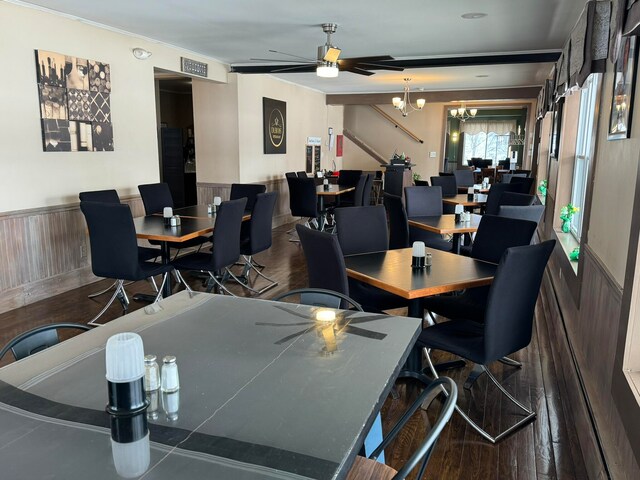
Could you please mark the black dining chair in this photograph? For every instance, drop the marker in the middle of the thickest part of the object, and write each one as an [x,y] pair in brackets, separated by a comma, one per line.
[507,326]
[370,468]
[368,189]
[248,191]
[38,339]
[318,297]
[531,212]
[114,250]
[354,199]
[525,183]
[349,178]
[225,252]
[425,202]
[364,230]
[157,196]
[302,175]
[494,195]
[516,199]
[290,175]
[398,222]
[494,236]
[447,183]
[464,177]
[303,200]
[256,237]
[421,183]
[111,196]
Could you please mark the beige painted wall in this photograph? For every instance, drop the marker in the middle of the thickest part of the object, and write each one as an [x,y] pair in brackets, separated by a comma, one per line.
[384,138]
[614,187]
[33,178]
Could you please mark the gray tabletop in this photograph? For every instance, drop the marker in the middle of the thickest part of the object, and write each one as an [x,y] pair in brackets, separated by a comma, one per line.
[260,396]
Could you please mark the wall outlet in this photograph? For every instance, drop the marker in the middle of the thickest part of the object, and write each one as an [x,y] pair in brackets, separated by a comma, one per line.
[432,154]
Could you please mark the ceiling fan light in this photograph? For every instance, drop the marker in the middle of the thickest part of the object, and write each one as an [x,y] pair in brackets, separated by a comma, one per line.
[396,101]
[420,103]
[327,71]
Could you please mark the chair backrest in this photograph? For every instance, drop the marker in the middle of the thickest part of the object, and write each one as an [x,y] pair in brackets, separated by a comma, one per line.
[319,297]
[37,339]
[506,178]
[393,180]
[325,262]
[519,199]
[290,175]
[359,192]
[525,183]
[112,236]
[505,164]
[103,196]
[512,299]
[303,198]
[532,213]
[368,188]
[421,183]
[423,201]
[226,233]
[302,175]
[248,191]
[447,183]
[496,234]
[446,174]
[155,196]
[362,229]
[464,177]
[349,177]
[495,193]
[260,225]
[398,222]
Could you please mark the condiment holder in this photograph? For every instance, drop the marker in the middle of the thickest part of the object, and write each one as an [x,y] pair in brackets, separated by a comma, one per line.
[125,374]
[167,213]
[418,255]
[459,210]
[470,193]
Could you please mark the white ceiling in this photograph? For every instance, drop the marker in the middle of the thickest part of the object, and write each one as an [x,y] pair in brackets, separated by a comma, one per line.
[234,31]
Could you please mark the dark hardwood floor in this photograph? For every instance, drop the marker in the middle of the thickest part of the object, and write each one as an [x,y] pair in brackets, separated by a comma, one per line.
[544,449]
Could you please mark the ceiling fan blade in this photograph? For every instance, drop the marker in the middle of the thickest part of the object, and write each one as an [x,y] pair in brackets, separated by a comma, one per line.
[379,66]
[332,55]
[379,58]
[277,60]
[295,56]
[359,71]
[298,68]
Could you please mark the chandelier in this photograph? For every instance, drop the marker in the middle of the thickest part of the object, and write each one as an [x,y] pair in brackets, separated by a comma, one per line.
[404,104]
[462,113]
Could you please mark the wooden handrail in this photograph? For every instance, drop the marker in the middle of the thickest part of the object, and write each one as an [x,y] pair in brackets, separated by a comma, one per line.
[354,138]
[397,125]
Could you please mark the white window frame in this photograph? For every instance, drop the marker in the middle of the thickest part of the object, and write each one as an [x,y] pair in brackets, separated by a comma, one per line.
[585,148]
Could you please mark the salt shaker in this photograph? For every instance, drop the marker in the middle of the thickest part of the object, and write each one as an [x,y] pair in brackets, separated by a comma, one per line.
[151,373]
[170,381]
[428,259]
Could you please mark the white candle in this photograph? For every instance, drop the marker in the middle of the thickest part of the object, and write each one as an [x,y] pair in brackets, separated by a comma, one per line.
[418,249]
[459,209]
[217,201]
[326,316]
[167,212]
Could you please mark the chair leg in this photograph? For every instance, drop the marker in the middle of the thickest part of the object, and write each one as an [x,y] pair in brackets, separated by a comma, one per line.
[530,415]
[220,284]
[183,281]
[152,281]
[510,361]
[473,376]
[102,292]
[118,292]
[248,266]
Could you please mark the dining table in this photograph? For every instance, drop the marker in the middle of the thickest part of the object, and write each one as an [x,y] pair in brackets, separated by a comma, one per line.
[447,225]
[267,390]
[478,200]
[391,271]
[330,190]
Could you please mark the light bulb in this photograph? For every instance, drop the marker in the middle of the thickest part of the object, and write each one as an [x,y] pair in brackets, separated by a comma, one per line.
[420,103]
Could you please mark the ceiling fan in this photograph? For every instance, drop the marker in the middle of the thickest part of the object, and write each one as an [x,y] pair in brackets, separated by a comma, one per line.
[327,62]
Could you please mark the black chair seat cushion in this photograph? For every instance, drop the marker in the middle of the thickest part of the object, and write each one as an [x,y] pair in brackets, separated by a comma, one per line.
[374,299]
[150,269]
[460,337]
[470,305]
[430,239]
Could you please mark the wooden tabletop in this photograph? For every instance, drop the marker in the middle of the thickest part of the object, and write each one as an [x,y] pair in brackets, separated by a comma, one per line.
[333,189]
[152,227]
[201,211]
[461,199]
[446,224]
[391,271]
[477,188]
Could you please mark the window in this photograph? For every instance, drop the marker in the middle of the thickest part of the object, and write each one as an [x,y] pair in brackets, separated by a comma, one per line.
[584,149]
[486,145]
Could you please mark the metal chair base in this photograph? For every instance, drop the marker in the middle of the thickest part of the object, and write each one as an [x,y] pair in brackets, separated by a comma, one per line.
[247,267]
[529,414]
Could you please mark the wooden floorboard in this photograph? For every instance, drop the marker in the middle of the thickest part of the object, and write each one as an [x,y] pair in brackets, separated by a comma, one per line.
[544,449]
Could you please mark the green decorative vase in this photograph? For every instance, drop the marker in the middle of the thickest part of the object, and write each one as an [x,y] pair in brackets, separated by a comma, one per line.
[574,256]
[566,225]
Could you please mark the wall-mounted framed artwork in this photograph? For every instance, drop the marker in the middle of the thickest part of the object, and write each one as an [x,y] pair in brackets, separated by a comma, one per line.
[75,103]
[274,124]
[623,90]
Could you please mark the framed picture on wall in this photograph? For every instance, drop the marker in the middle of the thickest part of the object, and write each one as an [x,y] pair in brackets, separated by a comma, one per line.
[274,124]
[554,145]
[623,90]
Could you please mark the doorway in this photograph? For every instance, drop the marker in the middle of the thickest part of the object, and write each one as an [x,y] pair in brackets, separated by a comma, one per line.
[176,141]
